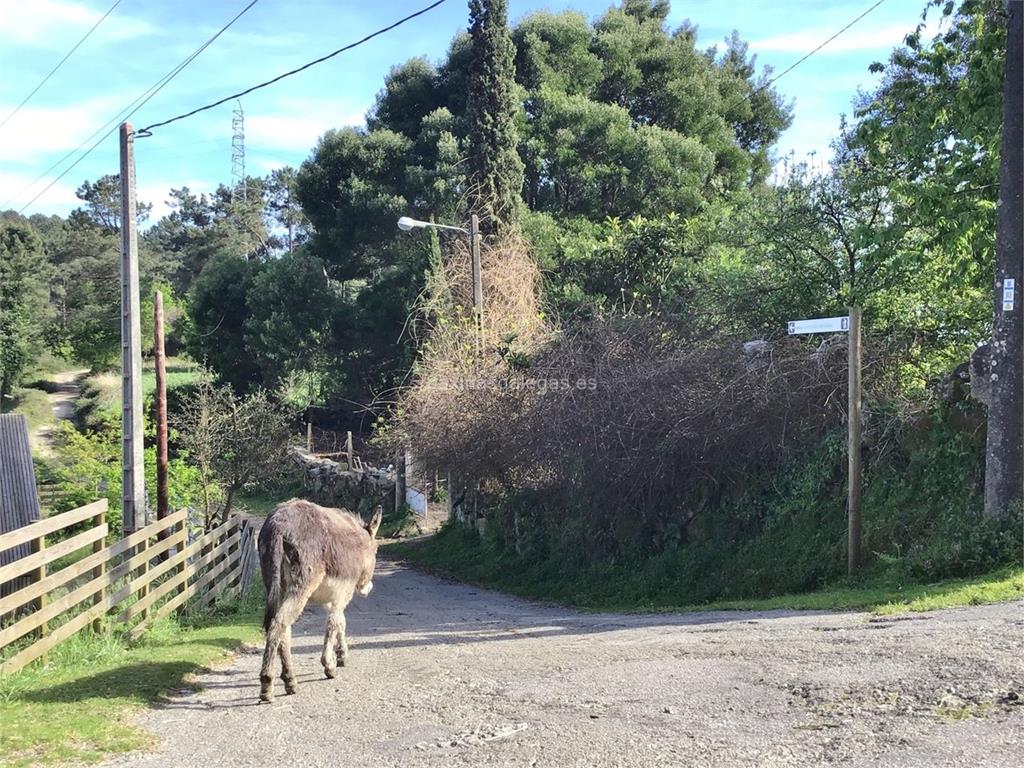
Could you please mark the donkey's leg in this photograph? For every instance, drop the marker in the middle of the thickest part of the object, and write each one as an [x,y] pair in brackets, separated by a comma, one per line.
[341,647]
[327,658]
[287,670]
[274,636]
[279,642]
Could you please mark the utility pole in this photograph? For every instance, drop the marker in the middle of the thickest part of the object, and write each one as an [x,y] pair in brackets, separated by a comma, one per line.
[478,282]
[160,363]
[854,479]
[133,494]
[1004,452]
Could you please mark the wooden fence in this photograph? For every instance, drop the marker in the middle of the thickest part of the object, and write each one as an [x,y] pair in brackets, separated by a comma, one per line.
[131,582]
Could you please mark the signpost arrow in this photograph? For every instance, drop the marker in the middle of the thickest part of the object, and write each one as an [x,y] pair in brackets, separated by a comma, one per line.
[820,325]
[850,325]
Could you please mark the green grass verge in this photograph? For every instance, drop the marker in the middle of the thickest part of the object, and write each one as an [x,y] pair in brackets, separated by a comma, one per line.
[80,706]
[261,501]
[33,403]
[461,555]
[100,400]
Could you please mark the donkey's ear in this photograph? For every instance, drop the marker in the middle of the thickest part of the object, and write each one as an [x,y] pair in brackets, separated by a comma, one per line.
[374,524]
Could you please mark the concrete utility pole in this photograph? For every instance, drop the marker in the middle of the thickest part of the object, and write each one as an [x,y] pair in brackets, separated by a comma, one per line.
[855,395]
[1004,457]
[160,363]
[133,494]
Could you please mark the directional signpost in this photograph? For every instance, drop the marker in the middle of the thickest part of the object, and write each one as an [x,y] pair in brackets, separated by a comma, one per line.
[850,325]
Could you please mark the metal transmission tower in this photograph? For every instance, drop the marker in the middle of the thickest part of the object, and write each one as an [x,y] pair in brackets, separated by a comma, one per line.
[238,154]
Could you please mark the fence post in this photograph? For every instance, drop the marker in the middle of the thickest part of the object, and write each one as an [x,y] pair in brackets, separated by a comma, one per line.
[38,545]
[144,570]
[309,436]
[348,448]
[399,481]
[98,571]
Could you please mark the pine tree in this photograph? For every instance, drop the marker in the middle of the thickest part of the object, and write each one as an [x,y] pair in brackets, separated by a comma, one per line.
[496,170]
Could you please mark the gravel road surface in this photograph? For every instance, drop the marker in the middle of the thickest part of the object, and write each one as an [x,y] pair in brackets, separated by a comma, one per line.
[444,674]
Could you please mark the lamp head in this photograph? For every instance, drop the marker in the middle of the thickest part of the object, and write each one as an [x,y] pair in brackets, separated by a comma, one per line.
[407,224]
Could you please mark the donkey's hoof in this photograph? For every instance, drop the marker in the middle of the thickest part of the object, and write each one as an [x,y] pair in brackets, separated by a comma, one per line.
[290,686]
[266,698]
[330,673]
[341,661]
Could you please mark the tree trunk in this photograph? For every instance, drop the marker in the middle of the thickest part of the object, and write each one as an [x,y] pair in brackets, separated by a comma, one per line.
[1004,456]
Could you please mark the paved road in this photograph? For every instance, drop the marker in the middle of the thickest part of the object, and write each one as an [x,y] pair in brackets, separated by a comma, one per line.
[447,675]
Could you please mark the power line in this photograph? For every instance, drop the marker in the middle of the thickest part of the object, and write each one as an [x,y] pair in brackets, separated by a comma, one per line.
[60,63]
[146,131]
[127,112]
[799,61]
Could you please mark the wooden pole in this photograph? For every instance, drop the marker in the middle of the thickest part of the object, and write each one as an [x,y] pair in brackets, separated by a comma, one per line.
[1004,449]
[133,492]
[348,447]
[477,274]
[38,545]
[854,443]
[160,362]
[309,436]
[99,570]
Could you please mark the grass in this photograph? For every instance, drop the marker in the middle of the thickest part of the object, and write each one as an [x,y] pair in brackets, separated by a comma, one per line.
[101,392]
[34,404]
[260,501]
[458,554]
[886,597]
[80,706]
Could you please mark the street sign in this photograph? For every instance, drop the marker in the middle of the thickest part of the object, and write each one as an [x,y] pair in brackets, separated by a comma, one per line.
[1008,285]
[820,325]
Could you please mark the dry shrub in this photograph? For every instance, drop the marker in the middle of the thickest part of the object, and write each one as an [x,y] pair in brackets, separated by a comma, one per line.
[622,422]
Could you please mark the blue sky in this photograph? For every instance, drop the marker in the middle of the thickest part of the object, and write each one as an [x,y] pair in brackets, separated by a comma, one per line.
[141,41]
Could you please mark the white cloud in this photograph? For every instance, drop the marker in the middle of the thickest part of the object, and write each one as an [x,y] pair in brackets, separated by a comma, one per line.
[297,131]
[60,198]
[856,39]
[36,132]
[47,23]
[159,193]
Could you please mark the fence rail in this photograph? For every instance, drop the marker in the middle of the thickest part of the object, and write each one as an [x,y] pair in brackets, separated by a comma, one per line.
[144,576]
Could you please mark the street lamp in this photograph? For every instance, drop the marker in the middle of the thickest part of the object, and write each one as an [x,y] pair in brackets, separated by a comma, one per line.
[408,224]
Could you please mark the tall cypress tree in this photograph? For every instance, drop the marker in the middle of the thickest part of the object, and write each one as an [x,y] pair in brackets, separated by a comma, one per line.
[496,170]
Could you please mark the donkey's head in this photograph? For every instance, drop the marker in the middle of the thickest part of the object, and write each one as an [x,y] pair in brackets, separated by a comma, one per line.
[365,583]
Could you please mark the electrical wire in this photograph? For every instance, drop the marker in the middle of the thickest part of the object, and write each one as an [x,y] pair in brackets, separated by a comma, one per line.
[148,129]
[125,113]
[798,62]
[60,63]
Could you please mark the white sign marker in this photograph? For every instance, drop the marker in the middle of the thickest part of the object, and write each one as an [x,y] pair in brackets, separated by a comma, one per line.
[1008,285]
[820,325]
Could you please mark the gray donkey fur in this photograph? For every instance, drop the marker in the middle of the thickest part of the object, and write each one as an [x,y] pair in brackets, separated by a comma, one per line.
[309,552]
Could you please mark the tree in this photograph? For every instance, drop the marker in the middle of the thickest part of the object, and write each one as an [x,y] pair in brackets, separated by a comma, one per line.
[234,441]
[291,303]
[102,209]
[284,209]
[218,312]
[495,168]
[23,301]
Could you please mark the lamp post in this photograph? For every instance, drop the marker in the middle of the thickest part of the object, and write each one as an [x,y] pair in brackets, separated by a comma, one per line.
[407,224]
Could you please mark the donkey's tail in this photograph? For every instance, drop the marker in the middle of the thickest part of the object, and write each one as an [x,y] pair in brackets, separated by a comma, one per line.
[271,555]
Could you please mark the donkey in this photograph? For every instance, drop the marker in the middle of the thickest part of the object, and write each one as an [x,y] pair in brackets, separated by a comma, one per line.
[308,552]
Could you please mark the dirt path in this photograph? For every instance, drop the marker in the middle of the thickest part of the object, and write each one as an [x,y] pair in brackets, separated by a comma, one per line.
[444,675]
[62,401]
